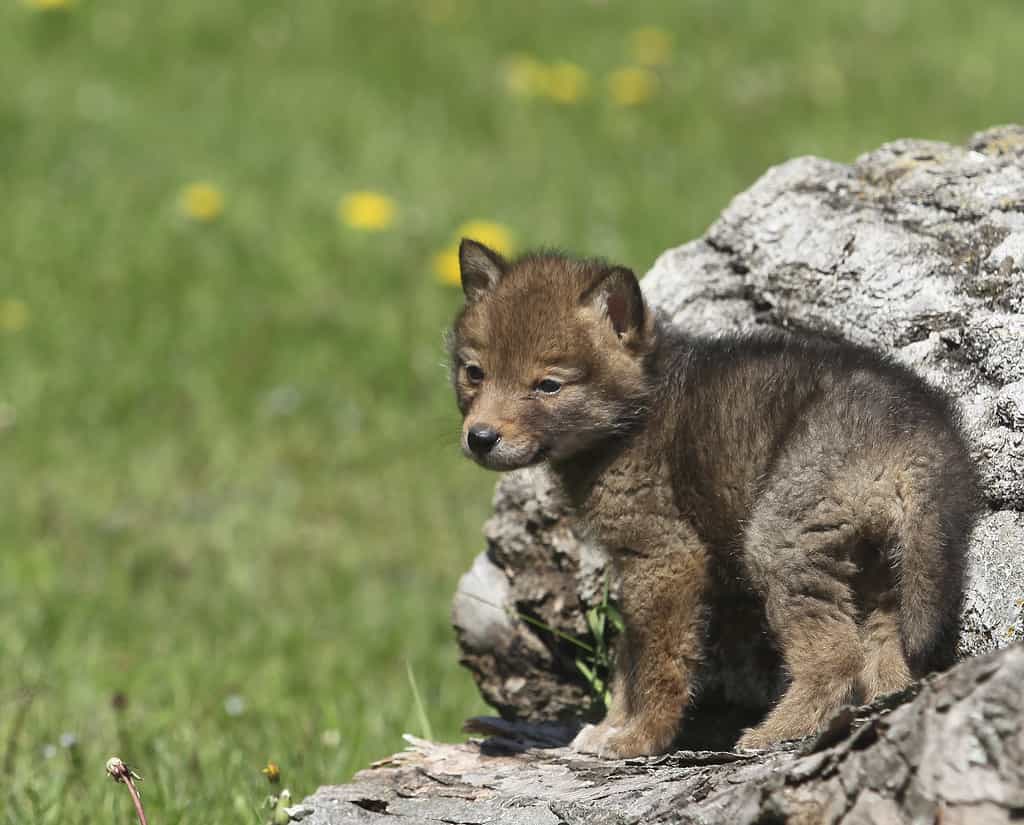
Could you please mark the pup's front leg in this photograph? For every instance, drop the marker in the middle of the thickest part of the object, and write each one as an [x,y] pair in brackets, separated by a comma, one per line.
[663,606]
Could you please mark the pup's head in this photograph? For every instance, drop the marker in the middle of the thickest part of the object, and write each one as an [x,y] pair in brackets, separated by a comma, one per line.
[548,355]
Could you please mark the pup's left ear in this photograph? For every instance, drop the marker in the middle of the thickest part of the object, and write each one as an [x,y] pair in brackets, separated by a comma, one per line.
[617,296]
[481,268]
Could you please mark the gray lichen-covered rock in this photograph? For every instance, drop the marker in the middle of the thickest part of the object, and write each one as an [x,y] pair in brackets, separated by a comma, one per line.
[917,249]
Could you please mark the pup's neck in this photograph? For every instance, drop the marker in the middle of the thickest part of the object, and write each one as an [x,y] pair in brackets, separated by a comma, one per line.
[578,473]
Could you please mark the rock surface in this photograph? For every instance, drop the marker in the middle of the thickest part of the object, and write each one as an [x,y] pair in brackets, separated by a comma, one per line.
[917,249]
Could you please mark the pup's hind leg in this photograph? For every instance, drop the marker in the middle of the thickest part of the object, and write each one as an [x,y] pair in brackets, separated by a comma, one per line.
[885,665]
[798,555]
[823,654]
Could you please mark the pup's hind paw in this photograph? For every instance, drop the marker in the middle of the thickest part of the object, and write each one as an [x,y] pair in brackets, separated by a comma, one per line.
[754,739]
[772,732]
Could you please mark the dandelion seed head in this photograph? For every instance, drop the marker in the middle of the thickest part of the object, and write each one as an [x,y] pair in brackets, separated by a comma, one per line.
[234,705]
[330,738]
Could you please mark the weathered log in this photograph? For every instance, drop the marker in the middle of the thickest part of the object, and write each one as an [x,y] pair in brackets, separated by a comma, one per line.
[950,751]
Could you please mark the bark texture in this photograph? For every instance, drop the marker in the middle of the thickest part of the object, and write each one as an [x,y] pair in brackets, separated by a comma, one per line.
[950,751]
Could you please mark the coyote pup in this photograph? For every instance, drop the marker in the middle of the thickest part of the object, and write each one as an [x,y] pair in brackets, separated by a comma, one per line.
[825,479]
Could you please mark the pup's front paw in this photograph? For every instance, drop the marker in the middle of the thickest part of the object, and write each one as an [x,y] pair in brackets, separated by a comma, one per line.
[612,742]
[591,738]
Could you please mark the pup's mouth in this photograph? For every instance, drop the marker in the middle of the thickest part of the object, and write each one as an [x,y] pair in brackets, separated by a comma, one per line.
[505,460]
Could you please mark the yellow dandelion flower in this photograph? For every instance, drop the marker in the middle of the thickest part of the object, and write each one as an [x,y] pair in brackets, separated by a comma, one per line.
[446,266]
[489,233]
[48,5]
[14,315]
[566,83]
[525,76]
[366,211]
[272,772]
[632,86]
[202,202]
[651,46]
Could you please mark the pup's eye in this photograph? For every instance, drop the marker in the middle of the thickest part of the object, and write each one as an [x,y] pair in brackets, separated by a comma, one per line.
[474,374]
[549,386]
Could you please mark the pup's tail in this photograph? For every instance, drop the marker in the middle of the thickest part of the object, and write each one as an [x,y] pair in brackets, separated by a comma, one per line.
[932,540]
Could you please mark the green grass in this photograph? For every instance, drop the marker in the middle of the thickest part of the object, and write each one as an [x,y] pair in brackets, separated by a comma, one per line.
[233,470]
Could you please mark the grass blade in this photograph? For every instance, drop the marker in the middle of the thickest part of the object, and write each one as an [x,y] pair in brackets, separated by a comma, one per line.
[421,711]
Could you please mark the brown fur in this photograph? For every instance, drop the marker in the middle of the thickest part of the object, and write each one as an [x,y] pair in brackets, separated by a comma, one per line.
[816,480]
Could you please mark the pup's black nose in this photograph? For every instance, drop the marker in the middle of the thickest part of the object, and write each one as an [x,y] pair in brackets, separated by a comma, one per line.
[481,439]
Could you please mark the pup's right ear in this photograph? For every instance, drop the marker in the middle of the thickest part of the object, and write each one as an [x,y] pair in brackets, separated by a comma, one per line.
[616,296]
[481,268]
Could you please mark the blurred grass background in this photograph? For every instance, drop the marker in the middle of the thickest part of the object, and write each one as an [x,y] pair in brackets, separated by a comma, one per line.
[233,507]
